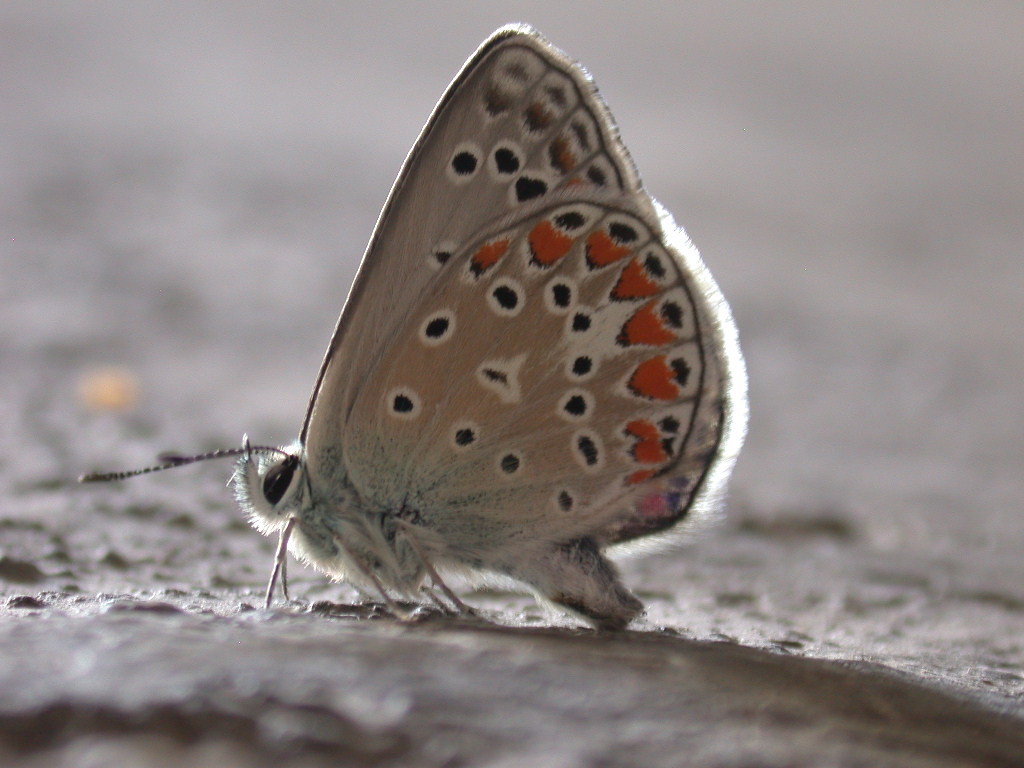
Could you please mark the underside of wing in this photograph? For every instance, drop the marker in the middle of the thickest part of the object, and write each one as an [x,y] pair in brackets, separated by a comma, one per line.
[563,374]
[520,122]
[530,341]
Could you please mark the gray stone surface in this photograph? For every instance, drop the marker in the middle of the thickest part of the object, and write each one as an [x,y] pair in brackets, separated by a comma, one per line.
[185,190]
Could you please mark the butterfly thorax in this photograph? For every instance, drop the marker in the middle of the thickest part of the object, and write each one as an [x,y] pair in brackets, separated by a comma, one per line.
[336,530]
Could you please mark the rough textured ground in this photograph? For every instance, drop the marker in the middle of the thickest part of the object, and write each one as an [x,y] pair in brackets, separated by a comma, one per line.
[185,190]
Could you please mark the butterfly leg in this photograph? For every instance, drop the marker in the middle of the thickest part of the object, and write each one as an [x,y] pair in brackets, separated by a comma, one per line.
[438,603]
[460,606]
[577,577]
[389,601]
[280,563]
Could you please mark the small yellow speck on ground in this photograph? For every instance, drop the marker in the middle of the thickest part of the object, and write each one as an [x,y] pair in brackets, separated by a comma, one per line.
[108,389]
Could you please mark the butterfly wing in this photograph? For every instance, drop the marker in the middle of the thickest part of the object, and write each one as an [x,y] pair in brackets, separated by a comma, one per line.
[500,101]
[455,381]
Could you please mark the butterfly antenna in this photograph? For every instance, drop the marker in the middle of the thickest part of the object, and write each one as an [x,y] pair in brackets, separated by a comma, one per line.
[171,460]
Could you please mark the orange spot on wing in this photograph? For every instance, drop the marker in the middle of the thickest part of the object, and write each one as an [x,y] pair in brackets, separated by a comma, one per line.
[645,327]
[645,430]
[537,117]
[487,255]
[648,449]
[547,244]
[640,476]
[602,250]
[655,379]
[634,282]
[562,157]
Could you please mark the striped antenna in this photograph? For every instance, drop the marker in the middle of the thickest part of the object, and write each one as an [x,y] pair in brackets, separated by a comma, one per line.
[171,460]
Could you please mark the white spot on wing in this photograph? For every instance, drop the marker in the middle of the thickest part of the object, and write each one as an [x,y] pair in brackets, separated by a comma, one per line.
[437,328]
[506,297]
[403,403]
[502,377]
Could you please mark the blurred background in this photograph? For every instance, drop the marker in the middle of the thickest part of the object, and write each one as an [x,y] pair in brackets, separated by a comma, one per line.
[186,189]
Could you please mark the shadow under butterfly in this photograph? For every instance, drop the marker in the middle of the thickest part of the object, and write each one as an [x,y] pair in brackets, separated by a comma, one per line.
[533,367]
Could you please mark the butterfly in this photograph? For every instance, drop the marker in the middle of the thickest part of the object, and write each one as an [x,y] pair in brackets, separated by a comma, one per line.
[533,366]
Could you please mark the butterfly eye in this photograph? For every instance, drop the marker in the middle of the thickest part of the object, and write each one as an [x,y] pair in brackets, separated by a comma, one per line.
[278,478]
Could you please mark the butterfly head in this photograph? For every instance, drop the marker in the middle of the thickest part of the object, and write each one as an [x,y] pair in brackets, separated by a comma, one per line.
[269,484]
